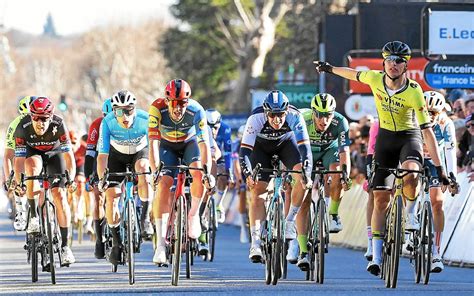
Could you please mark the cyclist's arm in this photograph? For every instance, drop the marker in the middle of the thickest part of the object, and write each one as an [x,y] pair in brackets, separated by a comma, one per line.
[91,152]
[298,126]
[66,148]
[343,145]
[70,163]
[154,153]
[7,163]
[20,154]
[104,148]
[345,72]
[252,127]
[227,149]
[431,144]
[450,148]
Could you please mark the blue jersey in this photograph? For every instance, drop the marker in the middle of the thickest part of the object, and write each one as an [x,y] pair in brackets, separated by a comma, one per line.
[224,143]
[124,140]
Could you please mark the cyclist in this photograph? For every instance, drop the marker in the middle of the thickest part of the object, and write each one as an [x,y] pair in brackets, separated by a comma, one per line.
[276,128]
[178,130]
[397,100]
[222,134]
[9,154]
[123,141]
[240,187]
[329,136]
[446,137]
[35,135]
[90,171]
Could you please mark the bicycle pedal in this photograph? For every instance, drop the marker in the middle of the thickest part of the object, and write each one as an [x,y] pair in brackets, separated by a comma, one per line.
[65,265]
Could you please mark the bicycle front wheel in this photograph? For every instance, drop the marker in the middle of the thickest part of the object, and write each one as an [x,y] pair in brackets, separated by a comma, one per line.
[397,242]
[321,249]
[178,239]
[426,244]
[50,244]
[277,242]
[130,237]
[212,228]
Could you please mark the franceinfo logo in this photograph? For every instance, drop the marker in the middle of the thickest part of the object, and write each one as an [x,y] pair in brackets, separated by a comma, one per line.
[455,33]
[453,69]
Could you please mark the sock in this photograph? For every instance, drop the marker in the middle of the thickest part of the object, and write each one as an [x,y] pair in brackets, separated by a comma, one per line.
[160,236]
[410,206]
[195,204]
[145,211]
[326,199]
[377,245]
[369,232]
[243,221]
[115,230]
[292,213]
[256,233]
[32,203]
[436,242]
[334,207]
[303,243]
[98,229]
[219,198]
[63,231]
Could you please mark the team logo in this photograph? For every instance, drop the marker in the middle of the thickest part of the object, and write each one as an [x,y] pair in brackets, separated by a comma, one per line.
[55,130]
[152,122]
[202,123]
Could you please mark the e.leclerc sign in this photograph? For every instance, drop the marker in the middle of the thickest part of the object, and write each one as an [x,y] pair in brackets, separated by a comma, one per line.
[448,74]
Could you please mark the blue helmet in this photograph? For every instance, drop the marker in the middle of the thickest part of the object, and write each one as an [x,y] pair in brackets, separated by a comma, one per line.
[276,101]
[107,106]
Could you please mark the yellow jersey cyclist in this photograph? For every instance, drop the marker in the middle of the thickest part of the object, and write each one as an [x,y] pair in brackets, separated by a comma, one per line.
[275,128]
[177,129]
[42,132]
[397,99]
[329,137]
[19,222]
[445,134]
[123,141]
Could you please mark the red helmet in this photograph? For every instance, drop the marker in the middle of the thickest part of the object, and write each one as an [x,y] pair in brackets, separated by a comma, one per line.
[41,106]
[178,89]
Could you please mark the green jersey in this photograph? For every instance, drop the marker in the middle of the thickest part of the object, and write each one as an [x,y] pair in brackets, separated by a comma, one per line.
[10,139]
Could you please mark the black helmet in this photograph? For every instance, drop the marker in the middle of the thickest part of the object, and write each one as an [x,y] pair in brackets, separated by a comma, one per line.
[396,48]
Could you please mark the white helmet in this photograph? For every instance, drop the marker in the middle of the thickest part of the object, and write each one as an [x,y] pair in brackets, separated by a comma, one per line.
[123,98]
[435,101]
[213,116]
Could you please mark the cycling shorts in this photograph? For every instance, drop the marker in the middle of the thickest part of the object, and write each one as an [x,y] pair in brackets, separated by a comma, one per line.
[56,164]
[118,163]
[170,154]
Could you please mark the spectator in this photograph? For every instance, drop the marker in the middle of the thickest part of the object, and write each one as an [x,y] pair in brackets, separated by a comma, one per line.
[469,104]
[456,94]
[466,145]
[459,108]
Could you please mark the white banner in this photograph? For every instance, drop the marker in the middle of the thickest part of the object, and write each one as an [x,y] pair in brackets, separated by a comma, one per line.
[451,32]
[358,106]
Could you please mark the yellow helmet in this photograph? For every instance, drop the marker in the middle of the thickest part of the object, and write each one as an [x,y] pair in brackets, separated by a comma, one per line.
[24,105]
[323,103]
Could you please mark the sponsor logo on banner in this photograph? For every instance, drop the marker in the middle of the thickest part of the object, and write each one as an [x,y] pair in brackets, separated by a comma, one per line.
[448,74]
[451,33]
[358,106]
[415,71]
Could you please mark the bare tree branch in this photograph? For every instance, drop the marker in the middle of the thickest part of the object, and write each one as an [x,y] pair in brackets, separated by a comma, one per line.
[243,14]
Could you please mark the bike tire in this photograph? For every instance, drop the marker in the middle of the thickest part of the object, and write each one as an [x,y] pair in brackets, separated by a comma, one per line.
[177,240]
[416,255]
[212,228]
[131,220]
[267,250]
[311,242]
[397,242]
[189,253]
[322,240]
[50,249]
[277,241]
[426,242]
[33,257]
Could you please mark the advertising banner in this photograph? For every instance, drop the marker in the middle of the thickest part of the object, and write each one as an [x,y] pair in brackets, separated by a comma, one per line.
[357,106]
[415,70]
[446,74]
[451,33]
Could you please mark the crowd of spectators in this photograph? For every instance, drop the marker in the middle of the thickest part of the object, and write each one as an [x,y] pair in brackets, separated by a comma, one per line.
[462,114]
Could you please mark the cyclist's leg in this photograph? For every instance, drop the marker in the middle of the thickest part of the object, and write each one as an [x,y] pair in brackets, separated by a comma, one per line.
[142,165]
[222,186]
[331,162]
[257,215]
[33,165]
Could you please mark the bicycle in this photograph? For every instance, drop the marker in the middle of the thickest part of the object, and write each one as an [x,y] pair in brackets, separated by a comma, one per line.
[48,240]
[130,234]
[176,237]
[273,228]
[318,232]
[394,228]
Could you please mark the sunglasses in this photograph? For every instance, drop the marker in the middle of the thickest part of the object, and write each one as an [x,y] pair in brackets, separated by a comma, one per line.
[397,60]
[469,125]
[40,118]
[276,114]
[322,114]
[119,112]
[433,113]
[215,126]
[181,103]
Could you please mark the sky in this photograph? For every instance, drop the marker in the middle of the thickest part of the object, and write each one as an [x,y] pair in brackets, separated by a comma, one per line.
[77,16]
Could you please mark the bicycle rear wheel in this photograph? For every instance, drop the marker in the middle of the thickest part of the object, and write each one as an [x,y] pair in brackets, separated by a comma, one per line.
[397,242]
[50,249]
[426,244]
[212,228]
[277,242]
[321,247]
[130,237]
[178,239]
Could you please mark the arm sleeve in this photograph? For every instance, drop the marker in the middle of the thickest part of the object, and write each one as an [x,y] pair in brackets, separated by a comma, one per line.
[154,121]
[64,140]
[298,126]
[104,138]
[20,142]
[343,137]
[449,135]
[252,127]
[200,124]
[91,152]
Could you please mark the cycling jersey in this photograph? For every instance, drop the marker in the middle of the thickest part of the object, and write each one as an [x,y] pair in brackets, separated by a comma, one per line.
[396,112]
[259,131]
[10,139]
[337,134]
[224,143]
[124,140]
[445,133]
[162,127]
[92,140]
[55,137]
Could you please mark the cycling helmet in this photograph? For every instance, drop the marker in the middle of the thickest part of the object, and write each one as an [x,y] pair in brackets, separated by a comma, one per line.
[178,89]
[24,105]
[123,98]
[107,106]
[435,101]
[213,116]
[275,101]
[324,103]
[396,48]
[41,106]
